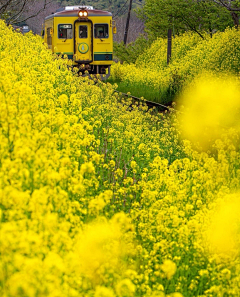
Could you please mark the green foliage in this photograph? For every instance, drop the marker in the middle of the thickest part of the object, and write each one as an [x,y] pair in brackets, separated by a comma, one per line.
[233,7]
[131,51]
[196,16]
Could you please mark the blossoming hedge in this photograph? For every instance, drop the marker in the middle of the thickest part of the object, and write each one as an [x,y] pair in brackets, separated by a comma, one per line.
[99,201]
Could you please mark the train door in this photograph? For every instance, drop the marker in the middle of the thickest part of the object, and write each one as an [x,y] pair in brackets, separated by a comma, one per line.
[83,42]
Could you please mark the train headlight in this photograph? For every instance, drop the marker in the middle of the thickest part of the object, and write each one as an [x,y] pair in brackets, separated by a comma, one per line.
[83,13]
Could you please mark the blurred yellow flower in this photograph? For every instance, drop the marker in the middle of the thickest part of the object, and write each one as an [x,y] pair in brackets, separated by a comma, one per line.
[169,268]
[211,105]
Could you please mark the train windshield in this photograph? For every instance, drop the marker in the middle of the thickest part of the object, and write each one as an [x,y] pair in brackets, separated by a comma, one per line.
[101,31]
[83,32]
[65,31]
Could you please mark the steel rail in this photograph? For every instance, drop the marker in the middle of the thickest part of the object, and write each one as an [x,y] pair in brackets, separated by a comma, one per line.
[150,104]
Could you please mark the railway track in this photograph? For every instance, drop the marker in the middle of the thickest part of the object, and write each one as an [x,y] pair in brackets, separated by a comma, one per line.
[158,106]
[150,104]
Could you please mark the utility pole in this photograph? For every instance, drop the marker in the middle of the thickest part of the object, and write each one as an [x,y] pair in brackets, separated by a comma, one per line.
[127,24]
[169,48]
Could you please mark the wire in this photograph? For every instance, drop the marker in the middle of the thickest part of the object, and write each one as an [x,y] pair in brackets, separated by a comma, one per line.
[122,13]
[121,8]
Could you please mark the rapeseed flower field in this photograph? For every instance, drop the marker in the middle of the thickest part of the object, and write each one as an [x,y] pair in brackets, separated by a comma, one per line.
[98,201]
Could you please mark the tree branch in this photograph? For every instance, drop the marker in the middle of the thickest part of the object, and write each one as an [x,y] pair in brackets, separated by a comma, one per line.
[18,14]
[191,27]
[227,6]
[4,7]
[39,11]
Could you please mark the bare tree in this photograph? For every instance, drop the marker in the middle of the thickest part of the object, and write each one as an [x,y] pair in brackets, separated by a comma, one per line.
[16,11]
[37,16]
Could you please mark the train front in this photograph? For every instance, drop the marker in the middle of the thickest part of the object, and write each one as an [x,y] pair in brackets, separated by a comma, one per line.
[85,35]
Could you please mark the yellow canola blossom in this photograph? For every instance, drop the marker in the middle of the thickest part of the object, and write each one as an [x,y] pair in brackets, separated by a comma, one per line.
[100,248]
[223,234]
[169,268]
[212,106]
[104,292]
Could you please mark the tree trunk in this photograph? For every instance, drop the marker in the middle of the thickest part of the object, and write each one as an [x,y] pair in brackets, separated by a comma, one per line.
[235,19]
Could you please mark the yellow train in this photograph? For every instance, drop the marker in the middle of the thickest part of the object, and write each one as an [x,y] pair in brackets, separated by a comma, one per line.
[84,34]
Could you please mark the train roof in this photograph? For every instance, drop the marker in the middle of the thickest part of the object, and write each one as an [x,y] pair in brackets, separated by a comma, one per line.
[73,12]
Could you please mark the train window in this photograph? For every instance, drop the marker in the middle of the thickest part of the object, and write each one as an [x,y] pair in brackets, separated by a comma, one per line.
[83,32]
[65,31]
[101,31]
